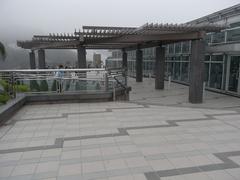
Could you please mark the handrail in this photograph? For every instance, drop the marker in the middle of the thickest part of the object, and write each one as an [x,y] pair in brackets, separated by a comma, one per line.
[69,80]
[118,72]
[53,70]
[121,84]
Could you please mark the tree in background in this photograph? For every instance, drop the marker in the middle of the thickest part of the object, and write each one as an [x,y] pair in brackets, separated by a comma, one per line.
[3,85]
[2,51]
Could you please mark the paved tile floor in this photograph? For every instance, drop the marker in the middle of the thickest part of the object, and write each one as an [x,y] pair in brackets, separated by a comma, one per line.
[156,135]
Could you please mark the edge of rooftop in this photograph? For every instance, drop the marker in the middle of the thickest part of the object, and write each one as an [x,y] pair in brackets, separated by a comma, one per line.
[8,110]
[217,13]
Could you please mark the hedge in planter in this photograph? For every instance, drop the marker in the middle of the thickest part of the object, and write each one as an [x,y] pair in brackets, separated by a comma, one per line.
[21,88]
[4,98]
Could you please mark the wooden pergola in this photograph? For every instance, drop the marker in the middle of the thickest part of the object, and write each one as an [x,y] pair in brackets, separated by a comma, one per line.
[132,38]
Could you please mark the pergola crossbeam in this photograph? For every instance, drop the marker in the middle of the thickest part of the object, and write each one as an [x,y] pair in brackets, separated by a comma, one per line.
[108,36]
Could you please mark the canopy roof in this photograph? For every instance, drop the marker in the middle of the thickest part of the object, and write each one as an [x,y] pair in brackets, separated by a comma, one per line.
[103,37]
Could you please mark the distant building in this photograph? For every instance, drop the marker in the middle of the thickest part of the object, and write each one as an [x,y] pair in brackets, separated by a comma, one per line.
[97,62]
[222,58]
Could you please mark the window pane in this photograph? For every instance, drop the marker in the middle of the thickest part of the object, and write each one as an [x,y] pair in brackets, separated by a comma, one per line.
[234,74]
[218,37]
[216,75]
[178,58]
[184,76]
[233,35]
[233,25]
[176,75]
[217,58]
[171,48]
[185,58]
[170,69]
[185,47]
[208,38]
[166,70]
[206,70]
[178,48]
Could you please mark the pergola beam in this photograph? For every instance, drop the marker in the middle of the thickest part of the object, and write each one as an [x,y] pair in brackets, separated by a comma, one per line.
[145,38]
[120,37]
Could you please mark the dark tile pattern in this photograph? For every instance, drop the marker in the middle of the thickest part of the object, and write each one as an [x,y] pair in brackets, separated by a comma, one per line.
[154,175]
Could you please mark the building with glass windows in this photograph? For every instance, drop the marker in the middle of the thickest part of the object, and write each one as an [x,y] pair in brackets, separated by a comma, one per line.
[222,58]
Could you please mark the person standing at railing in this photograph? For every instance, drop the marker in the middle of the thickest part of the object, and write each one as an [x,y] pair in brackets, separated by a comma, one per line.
[59,75]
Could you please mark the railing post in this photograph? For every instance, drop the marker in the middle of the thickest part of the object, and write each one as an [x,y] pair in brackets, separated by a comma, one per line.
[114,92]
[12,93]
[106,81]
[61,85]
[125,76]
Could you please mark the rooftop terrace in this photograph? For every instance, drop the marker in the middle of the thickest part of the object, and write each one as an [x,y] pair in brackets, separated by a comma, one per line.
[156,135]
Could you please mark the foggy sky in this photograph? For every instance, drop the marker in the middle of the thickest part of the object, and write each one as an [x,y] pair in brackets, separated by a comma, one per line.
[23,18]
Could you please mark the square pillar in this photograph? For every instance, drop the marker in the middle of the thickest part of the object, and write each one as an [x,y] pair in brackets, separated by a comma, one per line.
[139,62]
[32,60]
[196,71]
[41,59]
[124,65]
[159,67]
[81,53]
[124,59]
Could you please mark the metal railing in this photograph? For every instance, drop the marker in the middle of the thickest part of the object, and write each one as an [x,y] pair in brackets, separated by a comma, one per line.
[63,80]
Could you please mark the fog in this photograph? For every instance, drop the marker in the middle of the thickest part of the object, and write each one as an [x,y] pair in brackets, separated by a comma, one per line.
[21,19]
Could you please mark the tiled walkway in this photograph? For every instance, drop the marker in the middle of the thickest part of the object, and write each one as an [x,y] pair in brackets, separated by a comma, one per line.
[148,138]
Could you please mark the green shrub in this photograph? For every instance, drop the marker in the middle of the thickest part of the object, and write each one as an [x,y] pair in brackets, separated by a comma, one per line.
[34,86]
[4,98]
[5,85]
[21,88]
[43,85]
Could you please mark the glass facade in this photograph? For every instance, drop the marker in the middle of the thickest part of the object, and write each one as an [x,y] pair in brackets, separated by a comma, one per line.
[234,74]
[229,35]
[233,35]
[177,65]
[177,62]
[214,65]
[222,69]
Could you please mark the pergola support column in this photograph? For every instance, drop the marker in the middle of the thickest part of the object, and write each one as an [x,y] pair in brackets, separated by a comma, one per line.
[32,60]
[159,67]
[41,59]
[124,59]
[81,53]
[124,65]
[139,62]
[196,71]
